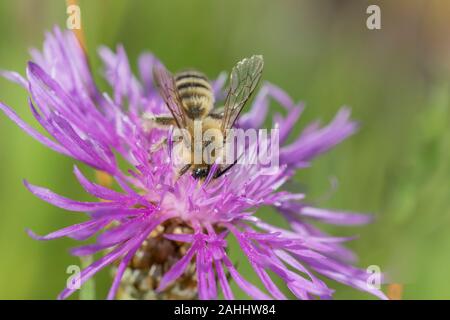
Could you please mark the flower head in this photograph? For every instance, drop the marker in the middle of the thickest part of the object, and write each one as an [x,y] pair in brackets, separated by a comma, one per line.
[181,226]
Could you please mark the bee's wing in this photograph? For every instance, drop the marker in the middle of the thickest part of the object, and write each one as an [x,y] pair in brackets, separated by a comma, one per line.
[243,80]
[169,93]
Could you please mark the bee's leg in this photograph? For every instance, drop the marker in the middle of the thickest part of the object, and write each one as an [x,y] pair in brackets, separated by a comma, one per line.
[217,113]
[221,172]
[158,145]
[184,170]
[150,121]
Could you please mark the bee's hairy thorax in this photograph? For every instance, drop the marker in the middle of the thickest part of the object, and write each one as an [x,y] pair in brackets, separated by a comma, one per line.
[195,93]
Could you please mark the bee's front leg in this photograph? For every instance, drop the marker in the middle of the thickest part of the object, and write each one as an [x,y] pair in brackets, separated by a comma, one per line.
[158,145]
[150,121]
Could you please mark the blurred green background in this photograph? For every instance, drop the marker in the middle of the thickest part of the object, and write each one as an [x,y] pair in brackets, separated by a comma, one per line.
[396,81]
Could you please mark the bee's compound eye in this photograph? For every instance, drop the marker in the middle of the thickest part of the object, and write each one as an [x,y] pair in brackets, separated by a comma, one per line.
[200,173]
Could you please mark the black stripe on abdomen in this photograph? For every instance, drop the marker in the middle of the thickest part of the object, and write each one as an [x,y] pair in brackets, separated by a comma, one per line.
[190,75]
[192,85]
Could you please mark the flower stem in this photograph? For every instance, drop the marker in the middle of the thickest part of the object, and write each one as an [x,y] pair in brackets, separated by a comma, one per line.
[87,291]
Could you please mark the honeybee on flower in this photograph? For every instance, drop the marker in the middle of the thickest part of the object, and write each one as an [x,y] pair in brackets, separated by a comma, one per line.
[166,234]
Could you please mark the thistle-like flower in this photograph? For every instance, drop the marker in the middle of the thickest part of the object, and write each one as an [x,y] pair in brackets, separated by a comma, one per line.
[166,235]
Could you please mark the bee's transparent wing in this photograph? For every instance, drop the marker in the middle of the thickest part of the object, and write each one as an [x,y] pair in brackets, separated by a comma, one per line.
[169,93]
[243,80]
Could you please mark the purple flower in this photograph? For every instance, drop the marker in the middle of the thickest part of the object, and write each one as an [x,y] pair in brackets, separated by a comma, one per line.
[154,208]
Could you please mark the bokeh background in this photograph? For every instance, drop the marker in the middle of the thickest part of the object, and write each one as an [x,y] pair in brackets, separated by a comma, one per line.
[396,81]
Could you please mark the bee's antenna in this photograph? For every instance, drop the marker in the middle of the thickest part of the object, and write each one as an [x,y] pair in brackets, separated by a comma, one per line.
[184,170]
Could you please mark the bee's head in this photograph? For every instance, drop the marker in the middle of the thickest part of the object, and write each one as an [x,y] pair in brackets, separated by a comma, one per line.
[200,172]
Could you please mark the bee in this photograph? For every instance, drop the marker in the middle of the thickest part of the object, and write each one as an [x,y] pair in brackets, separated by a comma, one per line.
[189,98]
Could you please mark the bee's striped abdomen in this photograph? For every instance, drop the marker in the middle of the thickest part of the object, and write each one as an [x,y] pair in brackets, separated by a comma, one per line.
[195,93]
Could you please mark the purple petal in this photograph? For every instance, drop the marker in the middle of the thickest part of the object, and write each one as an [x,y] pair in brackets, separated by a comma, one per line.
[124,263]
[88,249]
[103,262]
[269,284]
[286,125]
[178,268]
[346,275]
[122,232]
[246,286]
[206,267]
[336,217]
[315,142]
[66,203]
[14,77]
[228,294]
[146,63]
[32,132]
[179,237]
[98,190]
[280,96]
[79,231]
